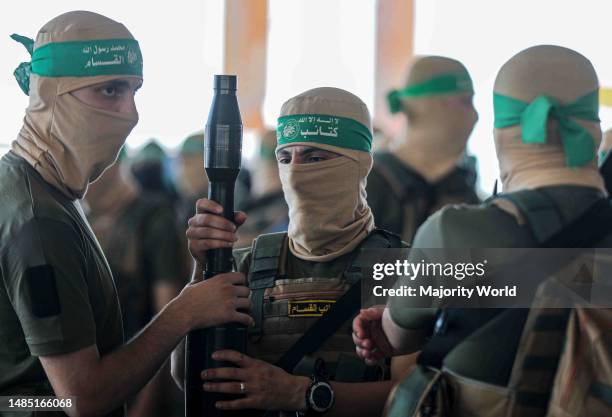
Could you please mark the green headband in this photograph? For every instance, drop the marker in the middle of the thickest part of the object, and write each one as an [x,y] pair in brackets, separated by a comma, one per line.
[578,144]
[79,59]
[442,84]
[321,128]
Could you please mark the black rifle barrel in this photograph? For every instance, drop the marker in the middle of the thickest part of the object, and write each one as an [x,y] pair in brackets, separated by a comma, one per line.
[222,160]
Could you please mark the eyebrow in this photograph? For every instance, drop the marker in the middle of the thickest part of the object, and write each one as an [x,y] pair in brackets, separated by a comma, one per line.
[309,151]
[305,152]
[120,84]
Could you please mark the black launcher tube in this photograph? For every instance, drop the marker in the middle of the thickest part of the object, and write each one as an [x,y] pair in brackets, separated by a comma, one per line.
[222,160]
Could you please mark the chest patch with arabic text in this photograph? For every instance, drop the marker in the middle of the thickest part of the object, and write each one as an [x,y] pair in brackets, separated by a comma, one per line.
[309,308]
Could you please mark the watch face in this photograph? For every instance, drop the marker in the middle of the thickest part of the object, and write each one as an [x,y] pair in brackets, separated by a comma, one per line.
[321,397]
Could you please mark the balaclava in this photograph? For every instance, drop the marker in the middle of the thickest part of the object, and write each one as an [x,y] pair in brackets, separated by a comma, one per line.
[191,179]
[264,171]
[437,101]
[547,128]
[328,212]
[108,196]
[67,141]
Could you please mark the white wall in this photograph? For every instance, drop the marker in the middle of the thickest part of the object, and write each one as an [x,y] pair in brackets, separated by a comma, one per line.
[319,43]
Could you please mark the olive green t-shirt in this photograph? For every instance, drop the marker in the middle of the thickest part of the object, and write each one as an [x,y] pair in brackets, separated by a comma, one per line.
[486,226]
[57,294]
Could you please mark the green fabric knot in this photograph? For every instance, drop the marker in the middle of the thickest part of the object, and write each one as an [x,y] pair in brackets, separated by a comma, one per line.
[578,144]
[23,71]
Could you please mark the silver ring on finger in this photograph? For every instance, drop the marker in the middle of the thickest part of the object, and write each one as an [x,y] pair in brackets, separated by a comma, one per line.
[242,387]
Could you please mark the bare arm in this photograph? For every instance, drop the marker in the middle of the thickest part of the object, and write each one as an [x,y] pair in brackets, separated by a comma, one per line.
[402,341]
[359,399]
[104,383]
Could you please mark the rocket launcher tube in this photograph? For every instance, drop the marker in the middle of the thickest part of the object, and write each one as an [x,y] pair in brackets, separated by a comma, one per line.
[222,160]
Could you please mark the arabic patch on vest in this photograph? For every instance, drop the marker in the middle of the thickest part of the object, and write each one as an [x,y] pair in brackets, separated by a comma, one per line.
[308,308]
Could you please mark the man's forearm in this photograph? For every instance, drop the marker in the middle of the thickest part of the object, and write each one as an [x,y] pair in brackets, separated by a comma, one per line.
[122,373]
[359,399]
[402,341]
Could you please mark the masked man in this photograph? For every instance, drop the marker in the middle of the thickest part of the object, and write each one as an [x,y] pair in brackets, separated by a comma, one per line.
[429,168]
[546,134]
[60,320]
[323,154]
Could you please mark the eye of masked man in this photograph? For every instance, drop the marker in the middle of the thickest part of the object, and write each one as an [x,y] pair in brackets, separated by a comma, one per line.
[81,105]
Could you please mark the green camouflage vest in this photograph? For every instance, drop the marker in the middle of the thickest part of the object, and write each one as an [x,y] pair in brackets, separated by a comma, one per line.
[285,307]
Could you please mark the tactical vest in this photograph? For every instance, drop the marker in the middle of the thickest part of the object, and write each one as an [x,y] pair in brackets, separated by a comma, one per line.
[284,308]
[541,345]
[419,198]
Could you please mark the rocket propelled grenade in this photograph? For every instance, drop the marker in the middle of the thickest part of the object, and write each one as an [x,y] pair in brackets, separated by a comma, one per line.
[222,160]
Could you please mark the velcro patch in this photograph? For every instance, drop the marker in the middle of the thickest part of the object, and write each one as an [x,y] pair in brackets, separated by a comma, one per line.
[309,308]
[43,291]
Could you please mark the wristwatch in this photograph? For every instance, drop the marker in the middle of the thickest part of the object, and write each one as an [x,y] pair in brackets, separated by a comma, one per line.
[320,394]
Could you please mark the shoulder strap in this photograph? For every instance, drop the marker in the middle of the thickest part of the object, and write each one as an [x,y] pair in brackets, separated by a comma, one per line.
[540,212]
[585,231]
[265,263]
[343,309]
[377,239]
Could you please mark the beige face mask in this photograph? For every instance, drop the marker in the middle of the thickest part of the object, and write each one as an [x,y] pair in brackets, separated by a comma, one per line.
[528,74]
[328,212]
[111,193]
[438,126]
[67,141]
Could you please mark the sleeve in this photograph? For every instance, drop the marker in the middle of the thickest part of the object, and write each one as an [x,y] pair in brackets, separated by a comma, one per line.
[414,313]
[45,274]
[163,248]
